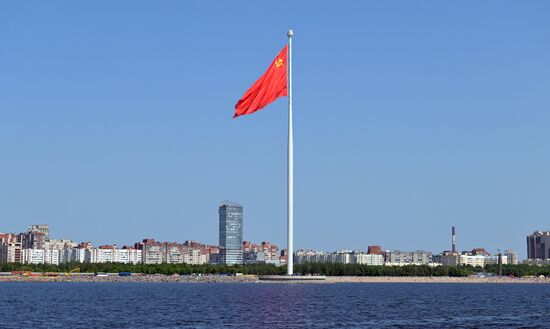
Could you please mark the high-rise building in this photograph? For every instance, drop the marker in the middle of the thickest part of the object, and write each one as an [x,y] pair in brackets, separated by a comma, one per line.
[538,245]
[59,244]
[152,252]
[33,240]
[231,233]
[512,256]
[40,228]
[10,248]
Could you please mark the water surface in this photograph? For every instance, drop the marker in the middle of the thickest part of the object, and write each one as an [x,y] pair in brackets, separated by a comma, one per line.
[343,305]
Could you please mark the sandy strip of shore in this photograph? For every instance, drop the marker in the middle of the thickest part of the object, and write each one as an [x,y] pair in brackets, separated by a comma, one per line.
[442,279]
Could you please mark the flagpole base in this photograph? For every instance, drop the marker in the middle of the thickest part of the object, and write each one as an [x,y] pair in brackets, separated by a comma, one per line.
[292,278]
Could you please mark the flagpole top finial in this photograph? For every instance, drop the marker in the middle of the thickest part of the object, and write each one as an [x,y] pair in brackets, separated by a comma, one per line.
[290,33]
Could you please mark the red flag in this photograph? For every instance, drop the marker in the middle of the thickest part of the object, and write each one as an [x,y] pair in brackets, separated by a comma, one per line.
[267,89]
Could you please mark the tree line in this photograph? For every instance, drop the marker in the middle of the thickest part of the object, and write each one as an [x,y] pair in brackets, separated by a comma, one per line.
[520,270]
[329,269]
[165,268]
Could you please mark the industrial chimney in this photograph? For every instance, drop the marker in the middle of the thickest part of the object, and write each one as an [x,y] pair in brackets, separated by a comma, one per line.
[453,240]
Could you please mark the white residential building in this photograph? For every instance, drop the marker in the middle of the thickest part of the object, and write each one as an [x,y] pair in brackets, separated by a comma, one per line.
[112,254]
[472,260]
[33,256]
[368,259]
[134,255]
[121,256]
[195,257]
[320,257]
[401,258]
[127,256]
[152,254]
[51,256]
[10,252]
[65,255]
[309,256]
[59,244]
[512,256]
[103,255]
[343,257]
[79,255]
[175,254]
[489,260]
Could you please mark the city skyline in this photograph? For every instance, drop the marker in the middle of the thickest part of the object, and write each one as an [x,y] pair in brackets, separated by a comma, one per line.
[452,240]
[238,243]
[35,246]
[405,118]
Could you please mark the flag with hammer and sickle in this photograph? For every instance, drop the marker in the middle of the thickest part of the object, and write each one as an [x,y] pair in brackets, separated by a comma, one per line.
[270,86]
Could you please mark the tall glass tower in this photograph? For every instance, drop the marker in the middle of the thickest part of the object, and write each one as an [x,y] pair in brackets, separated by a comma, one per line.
[231,233]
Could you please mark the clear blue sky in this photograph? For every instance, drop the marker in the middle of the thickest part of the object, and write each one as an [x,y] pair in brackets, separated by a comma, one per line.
[410,117]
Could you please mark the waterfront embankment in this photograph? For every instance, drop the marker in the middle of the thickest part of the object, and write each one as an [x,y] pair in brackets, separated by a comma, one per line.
[114,278]
[439,279]
[132,278]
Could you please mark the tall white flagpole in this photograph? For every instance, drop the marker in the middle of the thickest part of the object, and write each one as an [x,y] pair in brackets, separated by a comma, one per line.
[290,195]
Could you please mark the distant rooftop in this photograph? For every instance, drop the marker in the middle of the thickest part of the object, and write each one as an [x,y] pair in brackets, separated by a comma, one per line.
[230,204]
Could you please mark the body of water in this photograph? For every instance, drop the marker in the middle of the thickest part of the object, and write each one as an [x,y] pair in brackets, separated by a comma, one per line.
[346,305]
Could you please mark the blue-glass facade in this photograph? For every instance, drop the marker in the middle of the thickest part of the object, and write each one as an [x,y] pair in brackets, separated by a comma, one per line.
[231,233]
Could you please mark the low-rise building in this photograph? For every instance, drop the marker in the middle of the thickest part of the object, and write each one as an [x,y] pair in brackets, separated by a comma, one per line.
[265,252]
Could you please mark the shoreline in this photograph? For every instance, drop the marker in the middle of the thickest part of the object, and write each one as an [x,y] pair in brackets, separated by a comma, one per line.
[160,278]
[435,279]
[115,278]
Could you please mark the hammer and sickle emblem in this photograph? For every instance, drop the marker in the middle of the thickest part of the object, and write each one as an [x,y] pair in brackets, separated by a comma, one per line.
[278,62]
